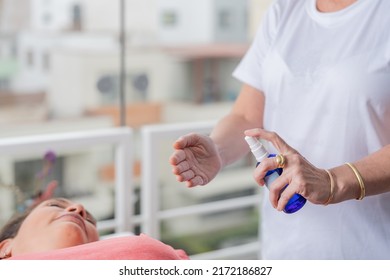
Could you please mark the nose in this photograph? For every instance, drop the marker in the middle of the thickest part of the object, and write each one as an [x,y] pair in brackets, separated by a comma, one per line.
[77,208]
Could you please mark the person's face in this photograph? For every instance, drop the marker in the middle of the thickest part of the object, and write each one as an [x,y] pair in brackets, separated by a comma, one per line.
[55,224]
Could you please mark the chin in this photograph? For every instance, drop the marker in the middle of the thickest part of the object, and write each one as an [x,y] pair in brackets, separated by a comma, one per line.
[72,236]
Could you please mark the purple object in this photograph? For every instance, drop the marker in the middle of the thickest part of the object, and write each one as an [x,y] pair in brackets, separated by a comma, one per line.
[50,156]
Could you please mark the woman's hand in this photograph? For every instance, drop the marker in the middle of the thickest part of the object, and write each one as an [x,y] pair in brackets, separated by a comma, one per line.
[195,160]
[302,177]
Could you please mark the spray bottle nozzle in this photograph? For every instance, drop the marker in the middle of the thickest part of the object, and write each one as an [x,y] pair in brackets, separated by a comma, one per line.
[251,141]
[257,148]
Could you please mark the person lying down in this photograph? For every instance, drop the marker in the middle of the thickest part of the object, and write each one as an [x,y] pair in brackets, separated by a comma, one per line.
[61,229]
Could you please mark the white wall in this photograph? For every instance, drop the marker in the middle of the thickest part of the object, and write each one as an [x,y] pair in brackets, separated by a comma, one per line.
[103,16]
[49,15]
[14,15]
[194,22]
[72,80]
[33,78]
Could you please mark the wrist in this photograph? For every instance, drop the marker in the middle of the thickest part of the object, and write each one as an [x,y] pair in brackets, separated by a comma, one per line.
[221,155]
[346,186]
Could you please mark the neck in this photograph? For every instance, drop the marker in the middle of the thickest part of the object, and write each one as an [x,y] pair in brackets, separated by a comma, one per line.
[328,6]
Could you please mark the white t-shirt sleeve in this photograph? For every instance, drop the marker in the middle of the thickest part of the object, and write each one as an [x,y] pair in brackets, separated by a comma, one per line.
[249,70]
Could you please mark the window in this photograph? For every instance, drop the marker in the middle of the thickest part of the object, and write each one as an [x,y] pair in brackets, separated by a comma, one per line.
[46,62]
[76,17]
[30,58]
[225,19]
[169,18]
[4,83]
[46,19]
[28,175]
[14,49]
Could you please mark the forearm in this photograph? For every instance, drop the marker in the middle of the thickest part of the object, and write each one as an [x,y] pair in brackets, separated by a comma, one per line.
[228,135]
[374,170]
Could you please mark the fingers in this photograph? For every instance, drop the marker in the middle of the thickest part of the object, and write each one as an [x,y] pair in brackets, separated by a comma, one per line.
[181,163]
[181,168]
[275,189]
[281,191]
[185,176]
[190,178]
[195,181]
[177,157]
[265,166]
[286,192]
[277,192]
[179,145]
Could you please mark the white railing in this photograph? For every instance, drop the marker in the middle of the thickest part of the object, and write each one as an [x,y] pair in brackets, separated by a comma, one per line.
[121,138]
[152,215]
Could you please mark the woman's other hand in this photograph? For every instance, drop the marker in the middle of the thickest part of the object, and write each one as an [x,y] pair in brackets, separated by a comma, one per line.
[195,160]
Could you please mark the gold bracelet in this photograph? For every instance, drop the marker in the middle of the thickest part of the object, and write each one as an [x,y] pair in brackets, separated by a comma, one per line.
[331,187]
[360,180]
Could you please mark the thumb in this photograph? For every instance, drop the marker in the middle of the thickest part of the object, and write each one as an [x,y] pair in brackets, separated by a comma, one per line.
[188,140]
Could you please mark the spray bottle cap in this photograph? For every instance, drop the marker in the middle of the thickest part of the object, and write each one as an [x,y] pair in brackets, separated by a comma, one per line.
[257,148]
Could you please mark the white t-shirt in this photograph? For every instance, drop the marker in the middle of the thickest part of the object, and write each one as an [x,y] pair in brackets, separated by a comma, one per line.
[326,81]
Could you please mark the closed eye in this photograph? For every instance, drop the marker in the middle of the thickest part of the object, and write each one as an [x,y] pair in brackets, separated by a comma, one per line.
[56,204]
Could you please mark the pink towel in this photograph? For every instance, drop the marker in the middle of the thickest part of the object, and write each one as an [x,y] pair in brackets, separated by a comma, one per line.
[140,247]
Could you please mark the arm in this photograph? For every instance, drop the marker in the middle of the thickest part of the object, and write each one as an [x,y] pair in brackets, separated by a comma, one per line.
[375,171]
[246,113]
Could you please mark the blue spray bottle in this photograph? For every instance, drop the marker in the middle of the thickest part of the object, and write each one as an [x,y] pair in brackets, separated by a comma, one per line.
[258,150]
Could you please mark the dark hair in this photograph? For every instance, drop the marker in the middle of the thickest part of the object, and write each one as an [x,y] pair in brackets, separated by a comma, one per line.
[11,228]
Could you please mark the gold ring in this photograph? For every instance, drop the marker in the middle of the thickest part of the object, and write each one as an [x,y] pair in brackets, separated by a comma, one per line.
[280,161]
